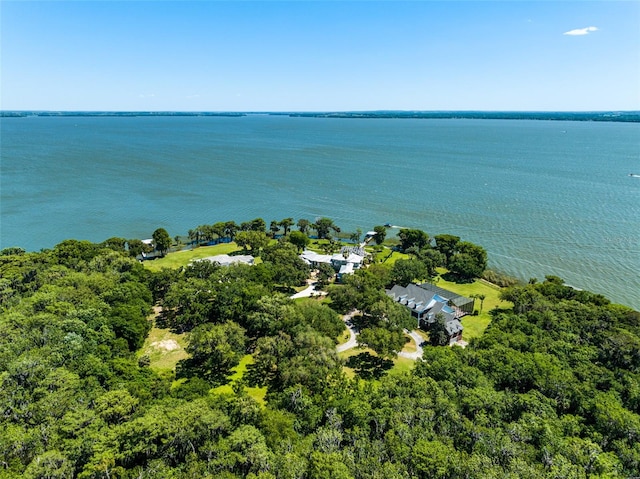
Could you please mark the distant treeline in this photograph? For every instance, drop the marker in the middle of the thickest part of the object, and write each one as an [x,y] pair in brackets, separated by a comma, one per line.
[618,116]
[624,116]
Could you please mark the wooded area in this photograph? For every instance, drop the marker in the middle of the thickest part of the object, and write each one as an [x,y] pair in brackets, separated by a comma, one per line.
[551,389]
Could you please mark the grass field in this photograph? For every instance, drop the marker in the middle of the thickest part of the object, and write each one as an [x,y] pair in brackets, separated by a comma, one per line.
[184,257]
[164,349]
[474,326]
[410,346]
[344,337]
[238,372]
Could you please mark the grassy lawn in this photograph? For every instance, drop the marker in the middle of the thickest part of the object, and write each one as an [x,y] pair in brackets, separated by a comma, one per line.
[474,326]
[238,372]
[410,346]
[164,349]
[344,337]
[400,365]
[184,257]
[389,257]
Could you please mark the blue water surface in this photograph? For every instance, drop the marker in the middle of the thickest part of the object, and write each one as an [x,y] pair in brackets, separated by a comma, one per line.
[543,197]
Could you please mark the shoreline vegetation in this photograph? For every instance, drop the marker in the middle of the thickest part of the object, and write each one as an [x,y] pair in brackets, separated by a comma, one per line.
[111,366]
[607,116]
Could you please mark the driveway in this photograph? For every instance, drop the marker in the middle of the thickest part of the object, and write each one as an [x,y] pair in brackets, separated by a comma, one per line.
[352,343]
[417,354]
[308,292]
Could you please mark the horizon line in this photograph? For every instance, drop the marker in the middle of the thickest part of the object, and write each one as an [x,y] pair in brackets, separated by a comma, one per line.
[316,111]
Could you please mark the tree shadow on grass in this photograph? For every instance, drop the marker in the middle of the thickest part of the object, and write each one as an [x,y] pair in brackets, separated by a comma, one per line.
[454,278]
[368,366]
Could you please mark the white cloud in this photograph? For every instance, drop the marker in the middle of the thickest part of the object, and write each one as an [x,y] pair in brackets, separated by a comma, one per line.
[581,31]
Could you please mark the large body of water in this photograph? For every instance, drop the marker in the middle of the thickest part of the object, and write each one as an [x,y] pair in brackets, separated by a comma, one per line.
[543,197]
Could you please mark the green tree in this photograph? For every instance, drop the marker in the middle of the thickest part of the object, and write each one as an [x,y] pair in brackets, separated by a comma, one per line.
[286,225]
[381,234]
[252,240]
[286,266]
[136,247]
[405,271]
[387,343]
[469,261]
[356,235]
[51,464]
[438,335]
[274,227]
[321,318]
[230,229]
[433,459]
[325,274]
[299,240]
[324,226]
[303,225]
[328,466]
[447,245]
[413,238]
[257,224]
[114,243]
[161,240]
[214,350]
[219,229]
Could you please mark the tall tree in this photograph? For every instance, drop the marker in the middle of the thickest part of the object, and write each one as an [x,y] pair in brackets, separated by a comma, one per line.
[254,240]
[218,229]
[303,225]
[161,240]
[381,234]
[286,225]
[413,238]
[447,244]
[324,226]
[469,261]
[274,227]
[405,271]
[438,335]
[214,350]
[230,229]
[299,240]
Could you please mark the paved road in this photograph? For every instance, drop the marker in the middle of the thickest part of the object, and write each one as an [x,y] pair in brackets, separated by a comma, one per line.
[308,292]
[417,354]
[353,342]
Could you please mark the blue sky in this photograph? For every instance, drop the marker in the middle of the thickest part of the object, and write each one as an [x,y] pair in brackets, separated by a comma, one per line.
[320,56]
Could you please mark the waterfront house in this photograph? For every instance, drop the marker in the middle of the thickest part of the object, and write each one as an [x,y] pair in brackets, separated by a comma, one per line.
[425,305]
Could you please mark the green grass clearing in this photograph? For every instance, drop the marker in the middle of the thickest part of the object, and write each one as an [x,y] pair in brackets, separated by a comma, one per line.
[388,257]
[257,393]
[410,346]
[164,349]
[474,326]
[184,257]
[344,337]
[400,365]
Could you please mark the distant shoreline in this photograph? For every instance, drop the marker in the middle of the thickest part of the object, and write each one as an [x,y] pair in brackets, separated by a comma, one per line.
[606,116]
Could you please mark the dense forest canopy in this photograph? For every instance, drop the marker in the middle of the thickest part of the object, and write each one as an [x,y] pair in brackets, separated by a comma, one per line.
[551,389]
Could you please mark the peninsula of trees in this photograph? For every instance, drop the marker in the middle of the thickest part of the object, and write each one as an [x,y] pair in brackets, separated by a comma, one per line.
[550,389]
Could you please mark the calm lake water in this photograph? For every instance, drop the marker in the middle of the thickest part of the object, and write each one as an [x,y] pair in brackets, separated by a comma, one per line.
[543,197]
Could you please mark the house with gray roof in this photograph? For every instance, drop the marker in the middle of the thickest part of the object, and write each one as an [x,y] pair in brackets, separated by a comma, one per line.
[226,260]
[345,262]
[425,305]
